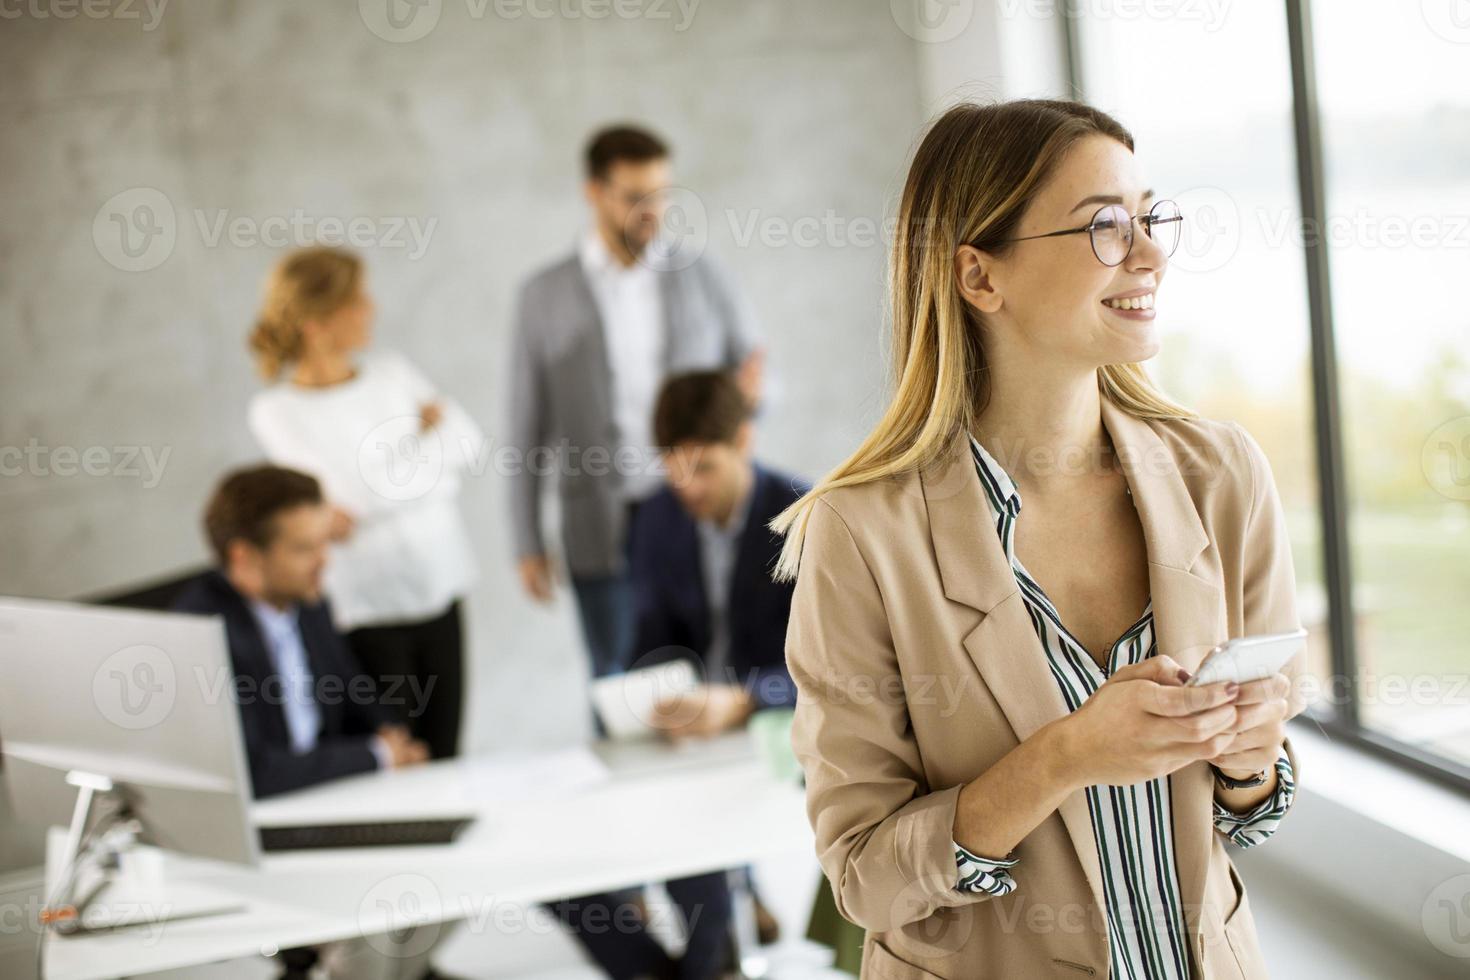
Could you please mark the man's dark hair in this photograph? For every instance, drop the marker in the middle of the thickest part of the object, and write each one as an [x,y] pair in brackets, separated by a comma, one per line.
[702,407]
[622,143]
[246,503]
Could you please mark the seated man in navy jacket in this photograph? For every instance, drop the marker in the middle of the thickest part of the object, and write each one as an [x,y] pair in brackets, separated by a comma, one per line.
[700,562]
[702,554]
[308,711]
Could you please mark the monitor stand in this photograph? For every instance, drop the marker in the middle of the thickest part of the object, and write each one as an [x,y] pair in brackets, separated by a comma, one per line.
[98,877]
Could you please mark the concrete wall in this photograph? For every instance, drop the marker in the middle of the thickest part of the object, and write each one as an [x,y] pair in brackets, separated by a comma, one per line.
[216,130]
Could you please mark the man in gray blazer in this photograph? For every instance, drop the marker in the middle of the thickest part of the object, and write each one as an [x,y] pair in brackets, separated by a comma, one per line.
[596,334]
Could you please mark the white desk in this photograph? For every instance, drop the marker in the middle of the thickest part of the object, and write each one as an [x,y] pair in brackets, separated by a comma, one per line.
[657,812]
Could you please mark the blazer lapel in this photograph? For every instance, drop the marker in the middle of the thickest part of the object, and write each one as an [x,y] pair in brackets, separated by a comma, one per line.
[1008,654]
[586,302]
[1003,646]
[671,311]
[689,580]
[1186,599]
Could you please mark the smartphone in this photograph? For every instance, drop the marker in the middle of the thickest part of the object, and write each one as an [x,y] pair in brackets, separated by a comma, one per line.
[1249,658]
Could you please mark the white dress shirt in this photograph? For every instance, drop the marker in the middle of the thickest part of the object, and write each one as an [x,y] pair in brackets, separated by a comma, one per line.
[632,313]
[282,631]
[409,556]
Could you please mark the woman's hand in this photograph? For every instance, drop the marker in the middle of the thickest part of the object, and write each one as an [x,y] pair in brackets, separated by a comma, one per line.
[1262,708]
[1144,723]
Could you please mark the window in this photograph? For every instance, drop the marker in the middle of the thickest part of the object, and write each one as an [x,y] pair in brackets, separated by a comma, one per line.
[1394,96]
[1221,119]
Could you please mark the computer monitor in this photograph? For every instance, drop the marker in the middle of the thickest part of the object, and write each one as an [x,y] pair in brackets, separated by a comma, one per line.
[134,705]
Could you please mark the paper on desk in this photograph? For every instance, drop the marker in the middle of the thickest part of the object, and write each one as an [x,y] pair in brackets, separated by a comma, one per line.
[510,778]
[628,703]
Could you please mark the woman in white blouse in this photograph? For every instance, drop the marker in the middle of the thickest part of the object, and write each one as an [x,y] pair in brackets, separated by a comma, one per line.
[389,450]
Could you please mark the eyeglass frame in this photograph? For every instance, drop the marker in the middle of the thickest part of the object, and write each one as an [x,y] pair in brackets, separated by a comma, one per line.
[1147,216]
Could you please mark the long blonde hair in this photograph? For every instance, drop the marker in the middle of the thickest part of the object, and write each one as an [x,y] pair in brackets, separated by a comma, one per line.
[308,283]
[970,181]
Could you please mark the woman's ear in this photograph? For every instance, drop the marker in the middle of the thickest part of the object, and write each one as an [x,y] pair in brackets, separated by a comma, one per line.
[744,437]
[972,272]
[313,333]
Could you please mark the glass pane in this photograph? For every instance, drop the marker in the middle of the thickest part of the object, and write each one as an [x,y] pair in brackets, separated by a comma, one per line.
[1397,155]
[1233,308]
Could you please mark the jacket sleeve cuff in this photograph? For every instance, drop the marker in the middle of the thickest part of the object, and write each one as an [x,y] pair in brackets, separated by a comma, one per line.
[982,874]
[928,856]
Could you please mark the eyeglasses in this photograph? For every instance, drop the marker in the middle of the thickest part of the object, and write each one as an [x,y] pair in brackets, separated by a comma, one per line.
[1111,230]
[633,198]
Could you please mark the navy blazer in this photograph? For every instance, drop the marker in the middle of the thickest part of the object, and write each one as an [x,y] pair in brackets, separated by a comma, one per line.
[668,582]
[349,718]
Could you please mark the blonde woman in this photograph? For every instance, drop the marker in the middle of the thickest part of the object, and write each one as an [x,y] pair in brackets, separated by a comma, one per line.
[1002,591]
[389,450]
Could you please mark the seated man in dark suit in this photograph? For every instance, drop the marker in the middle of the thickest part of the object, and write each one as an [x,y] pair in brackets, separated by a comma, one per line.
[702,554]
[309,713]
[700,561]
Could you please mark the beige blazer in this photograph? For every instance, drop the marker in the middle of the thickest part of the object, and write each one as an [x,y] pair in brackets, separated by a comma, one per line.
[918,668]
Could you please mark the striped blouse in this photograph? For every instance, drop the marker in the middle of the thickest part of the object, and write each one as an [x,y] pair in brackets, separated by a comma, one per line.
[1132,825]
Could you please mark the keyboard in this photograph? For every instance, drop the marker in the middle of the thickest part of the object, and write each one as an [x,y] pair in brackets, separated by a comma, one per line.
[396,833]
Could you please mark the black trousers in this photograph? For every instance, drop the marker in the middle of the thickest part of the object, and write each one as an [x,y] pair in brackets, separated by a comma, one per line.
[610,931]
[419,669]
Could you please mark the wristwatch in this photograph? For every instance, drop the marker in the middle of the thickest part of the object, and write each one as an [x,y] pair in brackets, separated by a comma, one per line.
[1229,782]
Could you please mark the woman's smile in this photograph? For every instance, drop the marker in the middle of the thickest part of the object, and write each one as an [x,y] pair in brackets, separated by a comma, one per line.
[1137,304]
